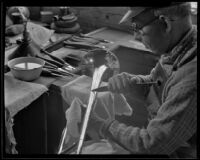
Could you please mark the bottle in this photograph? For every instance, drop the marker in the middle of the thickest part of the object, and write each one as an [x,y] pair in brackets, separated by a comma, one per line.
[26,48]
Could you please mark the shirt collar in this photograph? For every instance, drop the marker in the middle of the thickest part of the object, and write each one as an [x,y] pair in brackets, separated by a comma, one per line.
[181,48]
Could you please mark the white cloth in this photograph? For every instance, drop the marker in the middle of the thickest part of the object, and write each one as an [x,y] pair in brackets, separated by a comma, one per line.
[102,147]
[76,93]
[19,94]
[39,34]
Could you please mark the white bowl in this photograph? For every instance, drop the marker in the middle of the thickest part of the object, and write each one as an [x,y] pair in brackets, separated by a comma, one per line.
[26,68]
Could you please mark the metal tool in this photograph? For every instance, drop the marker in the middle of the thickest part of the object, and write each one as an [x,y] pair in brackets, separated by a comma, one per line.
[53,57]
[84,39]
[55,63]
[79,45]
[46,72]
[55,68]
[98,39]
[105,88]
[56,44]
[56,71]
[59,60]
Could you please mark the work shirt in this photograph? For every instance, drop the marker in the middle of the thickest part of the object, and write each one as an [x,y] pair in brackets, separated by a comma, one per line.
[174,122]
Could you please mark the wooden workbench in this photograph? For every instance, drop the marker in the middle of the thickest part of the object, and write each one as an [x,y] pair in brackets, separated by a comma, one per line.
[39,126]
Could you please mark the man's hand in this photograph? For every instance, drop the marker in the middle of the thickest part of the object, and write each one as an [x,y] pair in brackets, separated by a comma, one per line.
[94,124]
[122,82]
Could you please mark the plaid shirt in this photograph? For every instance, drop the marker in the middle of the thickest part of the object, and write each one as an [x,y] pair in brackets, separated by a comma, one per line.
[175,120]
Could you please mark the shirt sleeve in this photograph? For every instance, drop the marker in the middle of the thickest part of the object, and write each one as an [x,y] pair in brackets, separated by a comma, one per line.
[173,125]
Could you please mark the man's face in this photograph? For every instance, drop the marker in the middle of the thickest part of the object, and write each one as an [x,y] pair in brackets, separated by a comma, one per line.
[152,33]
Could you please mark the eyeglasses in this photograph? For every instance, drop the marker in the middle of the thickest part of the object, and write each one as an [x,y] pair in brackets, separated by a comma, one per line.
[137,28]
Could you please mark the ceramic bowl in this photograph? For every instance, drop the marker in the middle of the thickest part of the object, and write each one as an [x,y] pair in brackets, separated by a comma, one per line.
[26,68]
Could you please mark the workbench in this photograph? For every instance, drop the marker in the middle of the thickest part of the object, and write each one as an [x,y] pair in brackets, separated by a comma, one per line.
[38,127]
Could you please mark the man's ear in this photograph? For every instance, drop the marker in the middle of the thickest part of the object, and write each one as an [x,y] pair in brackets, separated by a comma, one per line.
[167,23]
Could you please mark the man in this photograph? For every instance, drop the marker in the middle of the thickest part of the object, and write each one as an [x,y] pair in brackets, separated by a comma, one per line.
[167,31]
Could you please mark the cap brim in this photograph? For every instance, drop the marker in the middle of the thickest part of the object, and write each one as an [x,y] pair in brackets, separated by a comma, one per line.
[126,17]
[131,13]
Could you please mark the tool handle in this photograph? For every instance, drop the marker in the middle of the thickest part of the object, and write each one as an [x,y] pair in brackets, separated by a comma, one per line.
[61,73]
[47,64]
[53,71]
[95,38]
[53,57]
[79,45]
[57,64]
[66,72]
[158,82]
[49,67]
[46,72]
[105,88]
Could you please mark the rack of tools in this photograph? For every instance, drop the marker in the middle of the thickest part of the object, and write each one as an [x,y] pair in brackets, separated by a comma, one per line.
[64,66]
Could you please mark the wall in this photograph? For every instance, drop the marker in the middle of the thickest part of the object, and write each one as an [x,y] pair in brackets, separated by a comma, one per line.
[91,18]
[96,17]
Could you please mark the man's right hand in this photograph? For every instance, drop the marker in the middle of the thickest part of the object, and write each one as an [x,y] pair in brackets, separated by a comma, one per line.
[122,83]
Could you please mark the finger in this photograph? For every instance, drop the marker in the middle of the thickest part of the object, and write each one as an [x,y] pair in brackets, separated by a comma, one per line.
[134,80]
[114,84]
[125,81]
[119,84]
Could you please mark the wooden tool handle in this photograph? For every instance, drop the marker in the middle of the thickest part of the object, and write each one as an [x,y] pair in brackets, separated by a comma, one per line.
[53,57]
[57,64]
[79,45]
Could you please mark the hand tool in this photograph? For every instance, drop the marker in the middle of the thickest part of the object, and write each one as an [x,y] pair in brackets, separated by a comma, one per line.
[53,57]
[57,64]
[79,45]
[84,39]
[50,65]
[59,60]
[57,44]
[99,39]
[59,70]
[105,88]
[48,73]
[71,57]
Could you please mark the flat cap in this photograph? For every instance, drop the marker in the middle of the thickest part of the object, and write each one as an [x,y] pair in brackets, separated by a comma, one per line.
[134,11]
